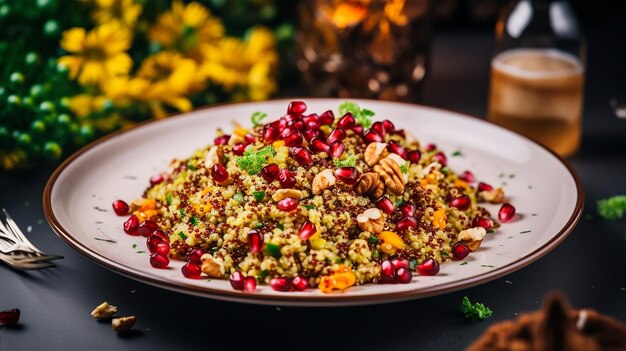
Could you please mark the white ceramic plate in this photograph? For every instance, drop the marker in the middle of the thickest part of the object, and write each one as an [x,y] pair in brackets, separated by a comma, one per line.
[546,193]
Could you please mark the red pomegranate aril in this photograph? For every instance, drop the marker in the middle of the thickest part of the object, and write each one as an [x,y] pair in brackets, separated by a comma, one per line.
[194,254]
[460,251]
[327,117]
[358,129]
[120,207]
[10,317]
[414,156]
[191,270]
[249,284]
[394,147]
[286,131]
[483,222]
[287,204]
[249,138]
[428,267]
[467,176]
[286,179]
[270,134]
[219,173]
[163,248]
[506,213]
[152,242]
[156,179]
[299,283]
[385,205]
[222,140]
[299,125]
[379,128]
[307,230]
[407,209]
[281,284]
[270,172]
[239,148]
[236,280]
[319,145]
[387,272]
[131,225]
[371,136]
[441,158]
[336,134]
[346,122]
[406,222]
[311,121]
[290,118]
[431,147]
[404,275]
[147,227]
[310,134]
[158,260]
[398,263]
[255,241]
[302,155]
[462,202]
[161,234]
[296,108]
[336,149]
[389,126]
[348,175]
[484,187]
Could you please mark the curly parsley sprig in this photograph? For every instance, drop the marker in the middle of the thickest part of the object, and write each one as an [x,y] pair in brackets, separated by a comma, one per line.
[252,160]
[362,116]
[474,312]
[613,207]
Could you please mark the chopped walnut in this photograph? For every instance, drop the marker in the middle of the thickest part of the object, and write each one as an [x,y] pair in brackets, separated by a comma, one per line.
[104,311]
[211,266]
[123,324]
[371,220]
[371,185]
[285,193]
[214,156]
[390,172]
[472,237]
[322,181]
[374,152]
[495,196]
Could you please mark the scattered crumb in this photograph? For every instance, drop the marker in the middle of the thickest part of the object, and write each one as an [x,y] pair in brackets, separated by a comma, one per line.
[39,221]
[29,228]
[123,324]
[508,282]
[278,309]
[133,291]
[26,203]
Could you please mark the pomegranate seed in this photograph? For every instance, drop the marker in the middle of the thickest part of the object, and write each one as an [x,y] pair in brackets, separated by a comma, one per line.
[462,202]
[239,148]
[506,213]
[483,222]
[147,227]
[379,128]
[222,140]
[406,222]
[311,121]
[294,138]
[431,147]
[152,242]
[194,254]
[467,176]
[158,260]
[307,230]
[346,122]
[311,133]
[286,179]
[398,263]
[319,145]
[404,275]
[301,155]
[191,270]
[428,267]
[358,129]
[163,248]
[270,134]
[414,156]
[287,204]
[161,234]
[219,173]
[156,179]
[348,175]
[336,134]
[385,205]
[249,138]
[281,284]
[299,283]
[394,147]
[296,108]
[290,118]
[460,251]
[120,207]
[336,149]
[249,284]
[255,241]
[327,117]
[389,126]
[371,136]
[387,272]
[299,125]
[10,317]
[236,280]
[131,225]
[407,209]
[270,172]
[484,187]
[286,131]
[441,158]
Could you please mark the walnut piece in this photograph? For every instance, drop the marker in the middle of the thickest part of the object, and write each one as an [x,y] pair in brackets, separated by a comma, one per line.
[211,266]
[214,156]
[123,324]
[371,185]
[390,172]
[472,237]
[371,220]
[374,152]
[494,196]
[104,311]
[285,193]
[322,181]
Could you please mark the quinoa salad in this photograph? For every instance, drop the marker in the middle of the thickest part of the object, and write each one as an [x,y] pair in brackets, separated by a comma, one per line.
[307,200]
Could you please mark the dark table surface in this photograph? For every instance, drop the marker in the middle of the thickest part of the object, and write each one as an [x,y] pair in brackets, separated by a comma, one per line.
[588,266]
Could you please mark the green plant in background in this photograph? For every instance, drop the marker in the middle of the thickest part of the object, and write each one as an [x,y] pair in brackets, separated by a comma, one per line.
[68,78]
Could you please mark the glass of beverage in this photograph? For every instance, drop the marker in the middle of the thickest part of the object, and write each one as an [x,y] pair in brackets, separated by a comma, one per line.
[537,74]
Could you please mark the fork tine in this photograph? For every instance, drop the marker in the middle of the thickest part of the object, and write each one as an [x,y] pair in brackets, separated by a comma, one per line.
[18,232]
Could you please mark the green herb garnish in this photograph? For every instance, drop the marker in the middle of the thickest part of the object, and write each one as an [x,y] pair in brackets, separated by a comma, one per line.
[613,207]
[412,264]
[134,246]
[191,166]
[445,170]
[107,240]
[182,235]
[214,250]
[375,254]
[238,197]
[182,212]
[457,153]
[258,195]
[259,225]
[463,264]
[168,198]
[350,161]
[252,160]
[362,116]
[194,221]
[280,226]
[399,202]
[264,273]
[141,251]
[257,117]
[525,231]
[444,254]
[372,240]
[272,250]
[309,207]
[405,168]
[474,312]
[338,260]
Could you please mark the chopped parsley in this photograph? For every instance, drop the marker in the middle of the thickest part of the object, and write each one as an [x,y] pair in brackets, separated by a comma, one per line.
[399,202]
[350,161]
[259,225]
[525,231]
[474,312]
[463,264]
[362,116]
[412,264]
[372,240]
[405,168]
[444,254]
[182,235]
[338,260]
[445,170]
[191,166]
[214,250]
[257,117]
[272,250]
[168,198]
[490,231]
[238,197]
[107,240]
[487,265]
[309,207]
[264,273]
[182,212]
[375,253]
[457,153]
[194,221]
[252,160]
[613,207]
[280,226]
[141,251]
[258,195]
[134,246]
[511,176]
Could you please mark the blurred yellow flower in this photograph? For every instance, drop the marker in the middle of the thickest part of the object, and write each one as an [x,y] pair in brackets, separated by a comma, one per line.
[98,55]
[186,28]
[84,104]
[123,12]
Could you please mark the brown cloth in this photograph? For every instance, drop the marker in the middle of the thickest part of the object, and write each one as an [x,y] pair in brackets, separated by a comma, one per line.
[556,327]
